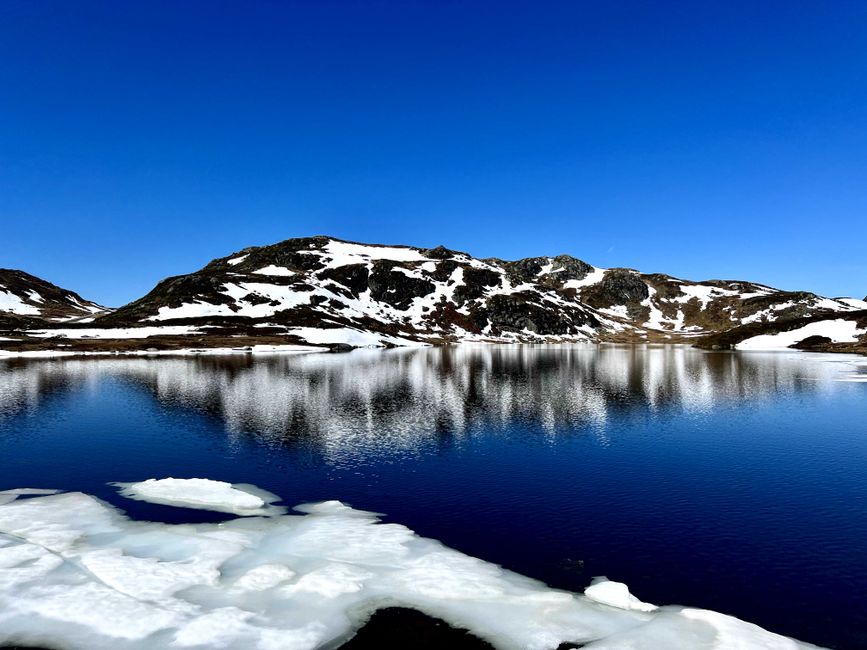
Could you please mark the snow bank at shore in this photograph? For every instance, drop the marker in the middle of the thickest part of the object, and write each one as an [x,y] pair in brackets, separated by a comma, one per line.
[838,330]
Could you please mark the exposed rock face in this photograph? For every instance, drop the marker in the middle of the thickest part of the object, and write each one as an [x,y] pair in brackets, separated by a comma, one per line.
[440,295]
[812,343]
[529,311]
[395,287]
[617,287]
[26,300]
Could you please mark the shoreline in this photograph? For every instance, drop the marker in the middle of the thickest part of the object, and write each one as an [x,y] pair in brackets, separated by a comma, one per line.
[124,348]
[829,333]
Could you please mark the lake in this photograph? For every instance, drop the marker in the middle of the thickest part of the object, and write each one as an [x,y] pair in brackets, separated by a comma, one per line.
[734,482]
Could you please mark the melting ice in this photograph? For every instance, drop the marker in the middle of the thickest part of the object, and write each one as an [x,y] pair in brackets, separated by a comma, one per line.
[77,573]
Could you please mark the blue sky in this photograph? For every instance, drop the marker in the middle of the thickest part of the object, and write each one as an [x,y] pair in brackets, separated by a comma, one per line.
[709,139]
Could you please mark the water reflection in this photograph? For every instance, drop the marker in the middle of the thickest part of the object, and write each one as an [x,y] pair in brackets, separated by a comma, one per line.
[399,399]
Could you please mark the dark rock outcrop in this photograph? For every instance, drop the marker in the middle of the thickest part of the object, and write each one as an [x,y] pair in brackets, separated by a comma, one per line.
[812,343]
[618,287]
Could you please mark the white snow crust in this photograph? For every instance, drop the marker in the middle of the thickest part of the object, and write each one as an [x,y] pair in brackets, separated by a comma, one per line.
[76,574]
[342,253]
[595,276]
[273,270]
[12,303]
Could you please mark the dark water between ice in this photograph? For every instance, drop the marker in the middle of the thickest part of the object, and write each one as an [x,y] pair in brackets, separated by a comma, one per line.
[731,481]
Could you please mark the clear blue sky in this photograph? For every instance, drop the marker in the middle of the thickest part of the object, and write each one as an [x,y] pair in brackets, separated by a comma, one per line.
[703,139]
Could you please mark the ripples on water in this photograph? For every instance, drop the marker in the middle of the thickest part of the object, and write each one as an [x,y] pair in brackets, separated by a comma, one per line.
[728,481]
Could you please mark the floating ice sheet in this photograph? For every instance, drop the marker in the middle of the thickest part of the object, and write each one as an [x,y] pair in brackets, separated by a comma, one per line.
[76,573]
[203,494]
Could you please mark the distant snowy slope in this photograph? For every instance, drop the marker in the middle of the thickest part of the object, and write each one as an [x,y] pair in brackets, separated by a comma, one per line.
[25,295]
[334,291]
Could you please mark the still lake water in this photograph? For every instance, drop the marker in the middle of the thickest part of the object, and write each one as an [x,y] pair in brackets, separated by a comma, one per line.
[731,481]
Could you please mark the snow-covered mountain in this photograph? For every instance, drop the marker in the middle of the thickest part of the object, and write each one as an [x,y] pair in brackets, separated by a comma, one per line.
[323,290]
[24,298]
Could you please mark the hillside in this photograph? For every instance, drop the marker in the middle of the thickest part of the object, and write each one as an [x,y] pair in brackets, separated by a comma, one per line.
[325,291]
[26,299]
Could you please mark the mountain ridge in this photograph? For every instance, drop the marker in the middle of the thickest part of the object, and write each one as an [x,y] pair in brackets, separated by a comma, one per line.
[32,299]
[322,290]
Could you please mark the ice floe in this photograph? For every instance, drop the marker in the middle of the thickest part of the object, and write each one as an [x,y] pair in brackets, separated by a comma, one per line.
[203,494]
[76,573]
[616,594]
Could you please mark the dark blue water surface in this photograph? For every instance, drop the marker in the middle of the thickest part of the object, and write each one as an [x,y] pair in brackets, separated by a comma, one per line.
[730,481]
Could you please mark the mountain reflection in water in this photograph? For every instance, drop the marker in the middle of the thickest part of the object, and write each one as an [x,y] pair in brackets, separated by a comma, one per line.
[395,400]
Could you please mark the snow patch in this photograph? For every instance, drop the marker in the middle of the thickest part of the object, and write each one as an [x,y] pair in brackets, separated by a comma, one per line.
[595,276]
[117,332]
[12,303]
[838,330]
[854,302]
[274,270]
[89,307]
[703,293]
[195,309]
[343,253]
[178,352]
